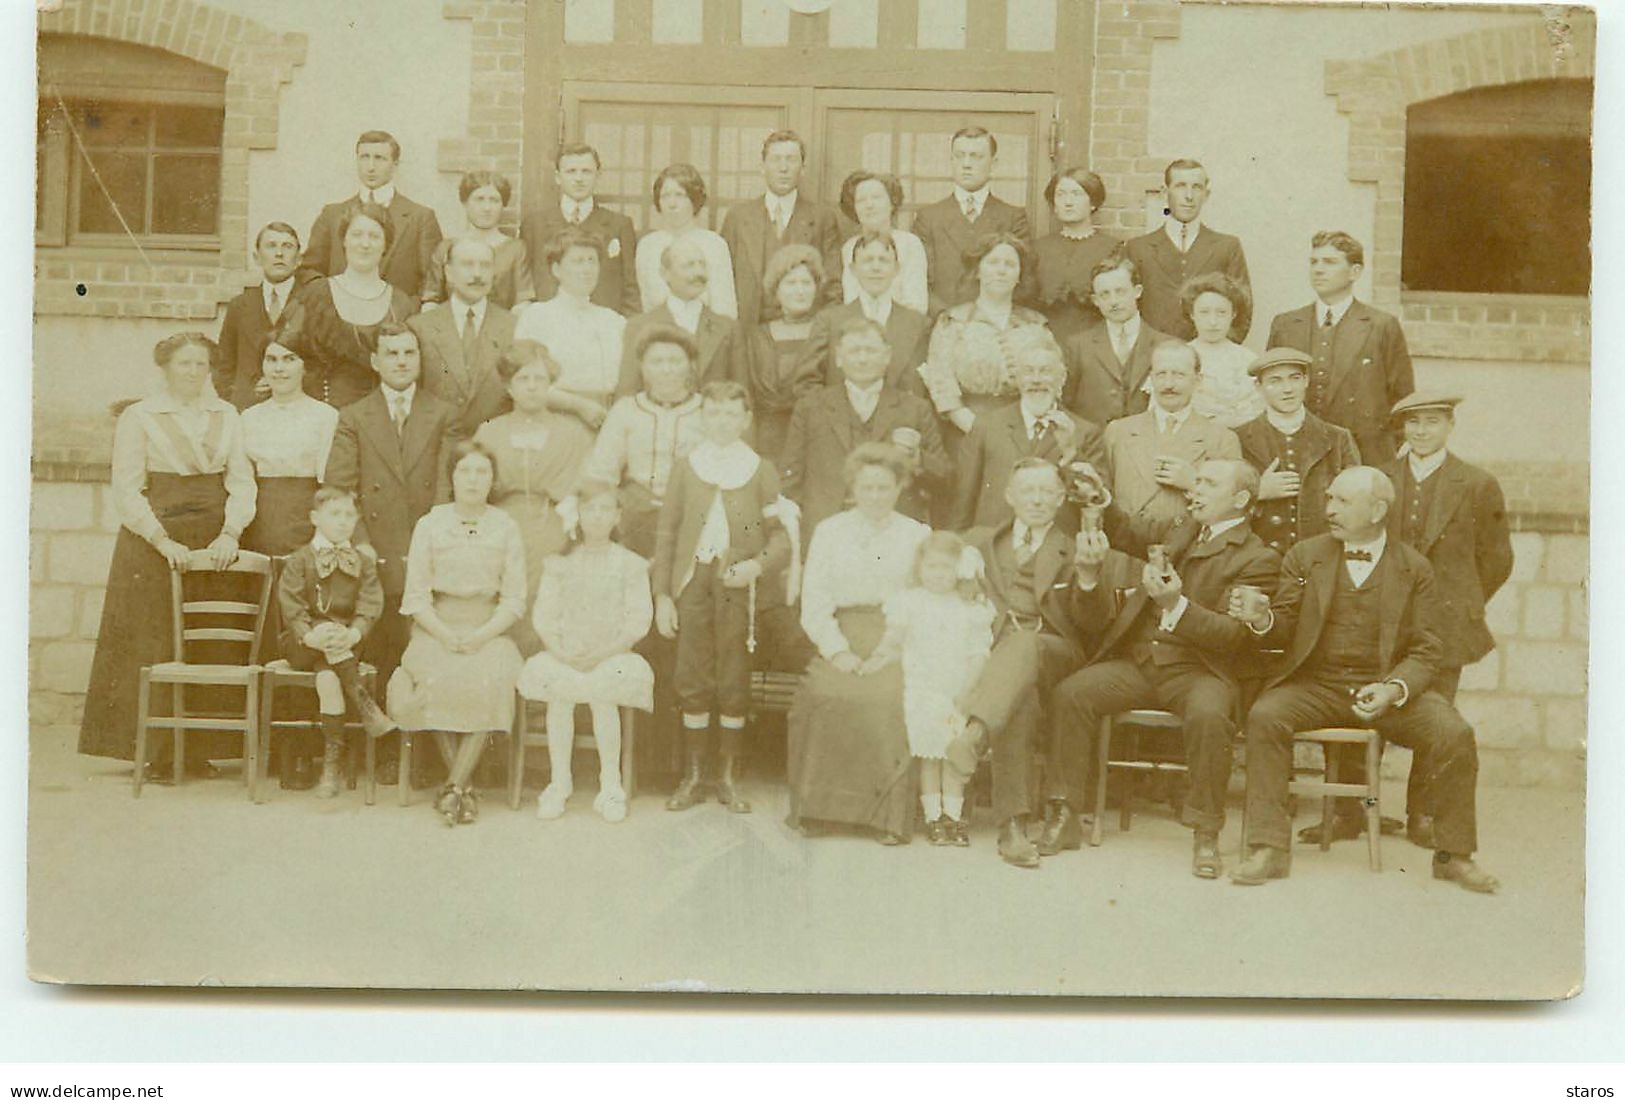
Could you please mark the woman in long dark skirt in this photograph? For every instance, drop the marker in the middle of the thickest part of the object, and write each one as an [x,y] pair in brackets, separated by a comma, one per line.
[181,482]
[849,761]
[286,437]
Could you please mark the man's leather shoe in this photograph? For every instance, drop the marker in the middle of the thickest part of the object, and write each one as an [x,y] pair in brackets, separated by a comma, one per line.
[1344,827]
[1062,830]
[1466,874]
[1014,847]
[1205,862]
[1262,865]
[1419,830]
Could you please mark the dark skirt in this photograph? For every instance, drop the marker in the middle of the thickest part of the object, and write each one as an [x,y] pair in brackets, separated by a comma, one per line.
[848,750]
[281,526]
[136,625]
[281,515]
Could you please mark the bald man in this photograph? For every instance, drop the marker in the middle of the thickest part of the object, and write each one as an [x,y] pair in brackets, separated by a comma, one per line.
[1355,612]
[721,344]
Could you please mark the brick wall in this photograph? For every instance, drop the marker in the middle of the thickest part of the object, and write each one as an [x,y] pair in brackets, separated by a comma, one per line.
[105,282]
[495,133]
[1120,113]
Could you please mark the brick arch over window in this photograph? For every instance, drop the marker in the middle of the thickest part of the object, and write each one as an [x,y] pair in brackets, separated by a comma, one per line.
[257,62]
[1374,93]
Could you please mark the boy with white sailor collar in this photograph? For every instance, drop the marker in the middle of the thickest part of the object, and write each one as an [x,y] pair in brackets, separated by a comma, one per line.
[722,527]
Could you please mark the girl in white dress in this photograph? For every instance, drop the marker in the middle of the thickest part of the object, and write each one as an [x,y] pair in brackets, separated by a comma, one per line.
[1225,392]
[943,629]
[592,608]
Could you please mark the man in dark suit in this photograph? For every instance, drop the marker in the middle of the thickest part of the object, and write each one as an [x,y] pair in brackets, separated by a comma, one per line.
[1183,248]
[951,225]
[722,347]
[1034,427]
[387,450]
[463,338]
[1027,564]
[1360,365]
[416,230]
[575,171]
[756,230]
[1151,457]
[250,315]
[1296,453]
[1453,514]
[908,331]
[1110,361]
[863,408]
[1356,612]
[1165,642]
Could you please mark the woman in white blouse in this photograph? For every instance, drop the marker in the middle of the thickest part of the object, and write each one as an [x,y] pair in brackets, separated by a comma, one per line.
[286,437]
[871,199]
[180,483]
[849,759]
[583,338]
[679,196]
[465,587]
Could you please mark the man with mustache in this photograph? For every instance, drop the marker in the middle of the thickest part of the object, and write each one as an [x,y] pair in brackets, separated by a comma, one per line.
[463,339]
[721,343]
[1357,612]
[1151,457]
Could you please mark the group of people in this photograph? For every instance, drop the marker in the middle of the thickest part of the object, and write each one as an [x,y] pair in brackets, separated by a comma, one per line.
[981,492]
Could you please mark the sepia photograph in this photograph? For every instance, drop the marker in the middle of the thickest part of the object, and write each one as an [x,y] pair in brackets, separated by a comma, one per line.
[594,494]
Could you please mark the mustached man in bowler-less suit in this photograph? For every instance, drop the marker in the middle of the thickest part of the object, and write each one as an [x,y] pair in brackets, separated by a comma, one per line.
[463,338]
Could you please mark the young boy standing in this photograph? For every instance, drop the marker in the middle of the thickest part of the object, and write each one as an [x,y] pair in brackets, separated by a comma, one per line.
[722,527]
[1296,453]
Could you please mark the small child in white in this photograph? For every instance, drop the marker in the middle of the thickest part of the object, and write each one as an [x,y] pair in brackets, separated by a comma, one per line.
[943,629]
[592,607]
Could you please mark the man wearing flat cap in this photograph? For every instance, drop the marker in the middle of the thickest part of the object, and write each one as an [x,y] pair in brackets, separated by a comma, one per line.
[1296,453]
[1454,514]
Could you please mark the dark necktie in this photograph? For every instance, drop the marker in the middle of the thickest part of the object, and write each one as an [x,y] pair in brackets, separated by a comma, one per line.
[471,334]
[276,305]
[1356,555]
[970,208]
[1326,321]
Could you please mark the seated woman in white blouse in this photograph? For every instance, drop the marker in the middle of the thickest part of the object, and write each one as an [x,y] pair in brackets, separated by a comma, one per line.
[848,760]
[584,338]
[286,438]
[871,199]
[679,195]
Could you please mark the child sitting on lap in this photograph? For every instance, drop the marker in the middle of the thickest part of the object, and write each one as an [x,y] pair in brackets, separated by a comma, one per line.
[330,596]
[592,607]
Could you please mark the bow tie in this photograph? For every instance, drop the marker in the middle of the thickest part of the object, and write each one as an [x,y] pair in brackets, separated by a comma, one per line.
[1357,555]
[343,558]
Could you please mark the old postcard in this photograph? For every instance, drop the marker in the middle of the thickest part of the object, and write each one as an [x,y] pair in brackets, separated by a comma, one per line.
[1064,497]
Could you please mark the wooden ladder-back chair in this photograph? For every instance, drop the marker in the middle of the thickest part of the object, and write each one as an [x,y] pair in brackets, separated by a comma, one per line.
[527,733]
[247,619]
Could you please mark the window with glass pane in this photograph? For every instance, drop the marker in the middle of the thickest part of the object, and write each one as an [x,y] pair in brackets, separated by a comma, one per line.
[151,171]
[1511,166]
[723,141]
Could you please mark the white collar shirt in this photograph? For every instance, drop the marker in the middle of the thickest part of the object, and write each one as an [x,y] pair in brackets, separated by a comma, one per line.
[459,314]
[978,198]
[686,313]
[1360,571]
[1169,422]
[1424,468]
[1287,425]
[865,399]
[1337,310]
[1173,227]
[383,196]
[576,211]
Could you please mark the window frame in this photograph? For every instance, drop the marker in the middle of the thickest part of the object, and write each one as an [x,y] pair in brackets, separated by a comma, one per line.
[61,173]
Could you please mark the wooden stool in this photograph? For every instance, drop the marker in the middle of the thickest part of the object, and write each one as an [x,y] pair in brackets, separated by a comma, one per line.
[1159,720]
[280,674]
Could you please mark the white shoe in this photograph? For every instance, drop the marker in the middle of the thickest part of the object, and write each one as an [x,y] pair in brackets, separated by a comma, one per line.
[611,805]
[550,803]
